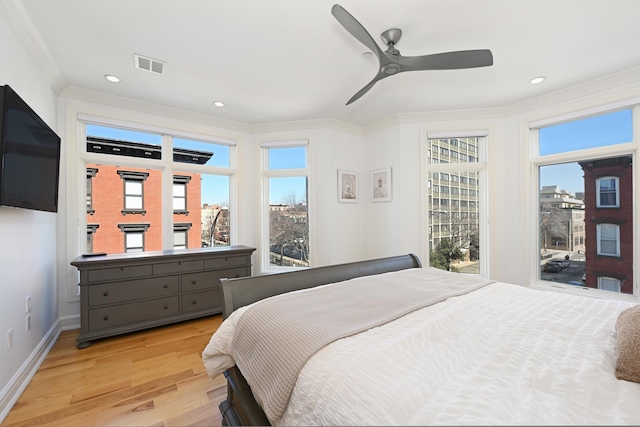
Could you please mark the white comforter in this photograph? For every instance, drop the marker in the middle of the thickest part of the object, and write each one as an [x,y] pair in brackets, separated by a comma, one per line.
[503,354]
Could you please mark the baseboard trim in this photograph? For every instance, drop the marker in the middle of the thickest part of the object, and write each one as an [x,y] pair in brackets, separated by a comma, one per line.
[68,323]
[12,391]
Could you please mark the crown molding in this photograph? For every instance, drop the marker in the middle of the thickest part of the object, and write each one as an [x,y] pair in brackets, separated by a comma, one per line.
[22,25]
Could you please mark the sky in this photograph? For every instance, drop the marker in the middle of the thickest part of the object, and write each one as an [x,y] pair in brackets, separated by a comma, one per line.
[598,131]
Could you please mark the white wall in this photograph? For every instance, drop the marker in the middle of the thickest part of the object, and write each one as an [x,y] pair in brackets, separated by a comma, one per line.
[27,242]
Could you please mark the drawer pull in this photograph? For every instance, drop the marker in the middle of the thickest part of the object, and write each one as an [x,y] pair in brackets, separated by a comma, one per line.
[105,293]
[193,282]
[194,302]
[105,318]
[165,286]
[166,306]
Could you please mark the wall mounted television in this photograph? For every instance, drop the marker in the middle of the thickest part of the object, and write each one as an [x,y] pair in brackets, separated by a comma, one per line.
[29,156]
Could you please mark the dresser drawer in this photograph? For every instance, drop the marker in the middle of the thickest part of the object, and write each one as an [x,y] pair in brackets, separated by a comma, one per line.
[178,266]
[209,279]
[201,301]
[123,314]
[108,293]
[225,262]
[118,273]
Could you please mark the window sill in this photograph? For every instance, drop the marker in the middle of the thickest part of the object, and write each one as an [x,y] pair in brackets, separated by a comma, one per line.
[133,211]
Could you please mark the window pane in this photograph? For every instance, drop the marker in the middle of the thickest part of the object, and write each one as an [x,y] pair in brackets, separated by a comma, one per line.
[454,150]
[287,158]
[576,240]
[123,142]
[201,153]
[109,204]
[214,222]
[133,188]
[179,239]
[288,222]
[454,240]
[597,131]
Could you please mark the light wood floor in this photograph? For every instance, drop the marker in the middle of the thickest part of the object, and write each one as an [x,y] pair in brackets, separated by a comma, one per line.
[148,378]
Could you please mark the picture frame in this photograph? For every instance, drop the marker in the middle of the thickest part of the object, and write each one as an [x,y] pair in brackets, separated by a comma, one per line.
[381,185]
[347,186]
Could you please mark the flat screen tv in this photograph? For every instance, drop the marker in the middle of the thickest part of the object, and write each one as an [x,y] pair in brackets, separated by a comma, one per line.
[29,156]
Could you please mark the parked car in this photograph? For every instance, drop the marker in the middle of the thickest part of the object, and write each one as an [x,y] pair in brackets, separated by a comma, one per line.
[552,267]
[575,283]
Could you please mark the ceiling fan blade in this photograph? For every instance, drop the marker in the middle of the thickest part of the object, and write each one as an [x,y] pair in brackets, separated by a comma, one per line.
[365,89]
[355,28]
[447,60]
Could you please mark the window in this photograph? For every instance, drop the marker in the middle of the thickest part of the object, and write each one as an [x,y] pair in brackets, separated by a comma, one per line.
[609,284]
[608,239]
[607,192]
[133,195]
[91,229]
[133,236]
[126,175]
[180,235]
[454,217]
[585,200]
[287,241]
[180,194]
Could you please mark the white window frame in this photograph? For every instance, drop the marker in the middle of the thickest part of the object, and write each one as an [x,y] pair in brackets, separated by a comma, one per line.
[599,239]
[265,264]
[536,160]
[479,166]
[599,191]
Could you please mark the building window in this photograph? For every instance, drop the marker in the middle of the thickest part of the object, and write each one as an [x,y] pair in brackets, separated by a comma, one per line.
[607,192]
[91,229]
[133,192]
[608,239]
[285,183]
[180,235]
[134,236]
[457,246]
[91,172]
[609,284]
[180,194]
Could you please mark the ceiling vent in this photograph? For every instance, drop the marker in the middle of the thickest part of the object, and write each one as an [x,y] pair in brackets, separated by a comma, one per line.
[148,64]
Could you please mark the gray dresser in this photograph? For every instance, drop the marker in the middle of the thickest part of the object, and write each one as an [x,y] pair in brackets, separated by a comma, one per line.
[122,293]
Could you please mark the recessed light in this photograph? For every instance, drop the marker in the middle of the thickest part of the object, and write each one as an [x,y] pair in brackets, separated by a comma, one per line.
[537,80]
[218,104]
[112,79]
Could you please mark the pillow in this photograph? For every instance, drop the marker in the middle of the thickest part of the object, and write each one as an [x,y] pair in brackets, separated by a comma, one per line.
[628,343]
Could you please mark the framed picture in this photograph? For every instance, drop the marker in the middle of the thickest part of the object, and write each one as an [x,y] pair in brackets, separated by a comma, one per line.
[381,187]
[347,186]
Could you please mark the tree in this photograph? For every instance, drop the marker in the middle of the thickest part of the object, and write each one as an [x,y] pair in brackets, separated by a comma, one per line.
[444,254]
[553,224]
[289,230]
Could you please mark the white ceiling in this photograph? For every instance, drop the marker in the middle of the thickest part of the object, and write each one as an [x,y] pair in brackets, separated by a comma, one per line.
[289,60]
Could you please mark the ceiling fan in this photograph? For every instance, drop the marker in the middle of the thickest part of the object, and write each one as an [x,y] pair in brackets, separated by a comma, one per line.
[391,62]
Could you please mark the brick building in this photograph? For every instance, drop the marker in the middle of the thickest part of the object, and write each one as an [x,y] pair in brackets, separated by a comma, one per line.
[124,204]
[609,223]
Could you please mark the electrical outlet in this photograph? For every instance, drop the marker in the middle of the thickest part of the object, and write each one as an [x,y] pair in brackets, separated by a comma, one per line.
[28,322]
[9,339]
[28,304]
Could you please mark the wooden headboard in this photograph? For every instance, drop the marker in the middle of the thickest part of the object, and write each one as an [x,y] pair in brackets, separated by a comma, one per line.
[242,291]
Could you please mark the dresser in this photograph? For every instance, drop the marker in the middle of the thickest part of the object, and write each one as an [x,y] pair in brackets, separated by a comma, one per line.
[122,293]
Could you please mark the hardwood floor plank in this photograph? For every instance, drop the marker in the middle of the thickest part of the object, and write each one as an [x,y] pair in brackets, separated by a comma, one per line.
[149,378]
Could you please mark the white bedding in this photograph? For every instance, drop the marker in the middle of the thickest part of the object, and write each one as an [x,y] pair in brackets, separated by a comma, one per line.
[503,355]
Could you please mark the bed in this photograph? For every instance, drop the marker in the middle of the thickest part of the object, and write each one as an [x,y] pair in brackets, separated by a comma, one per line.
[402,344]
